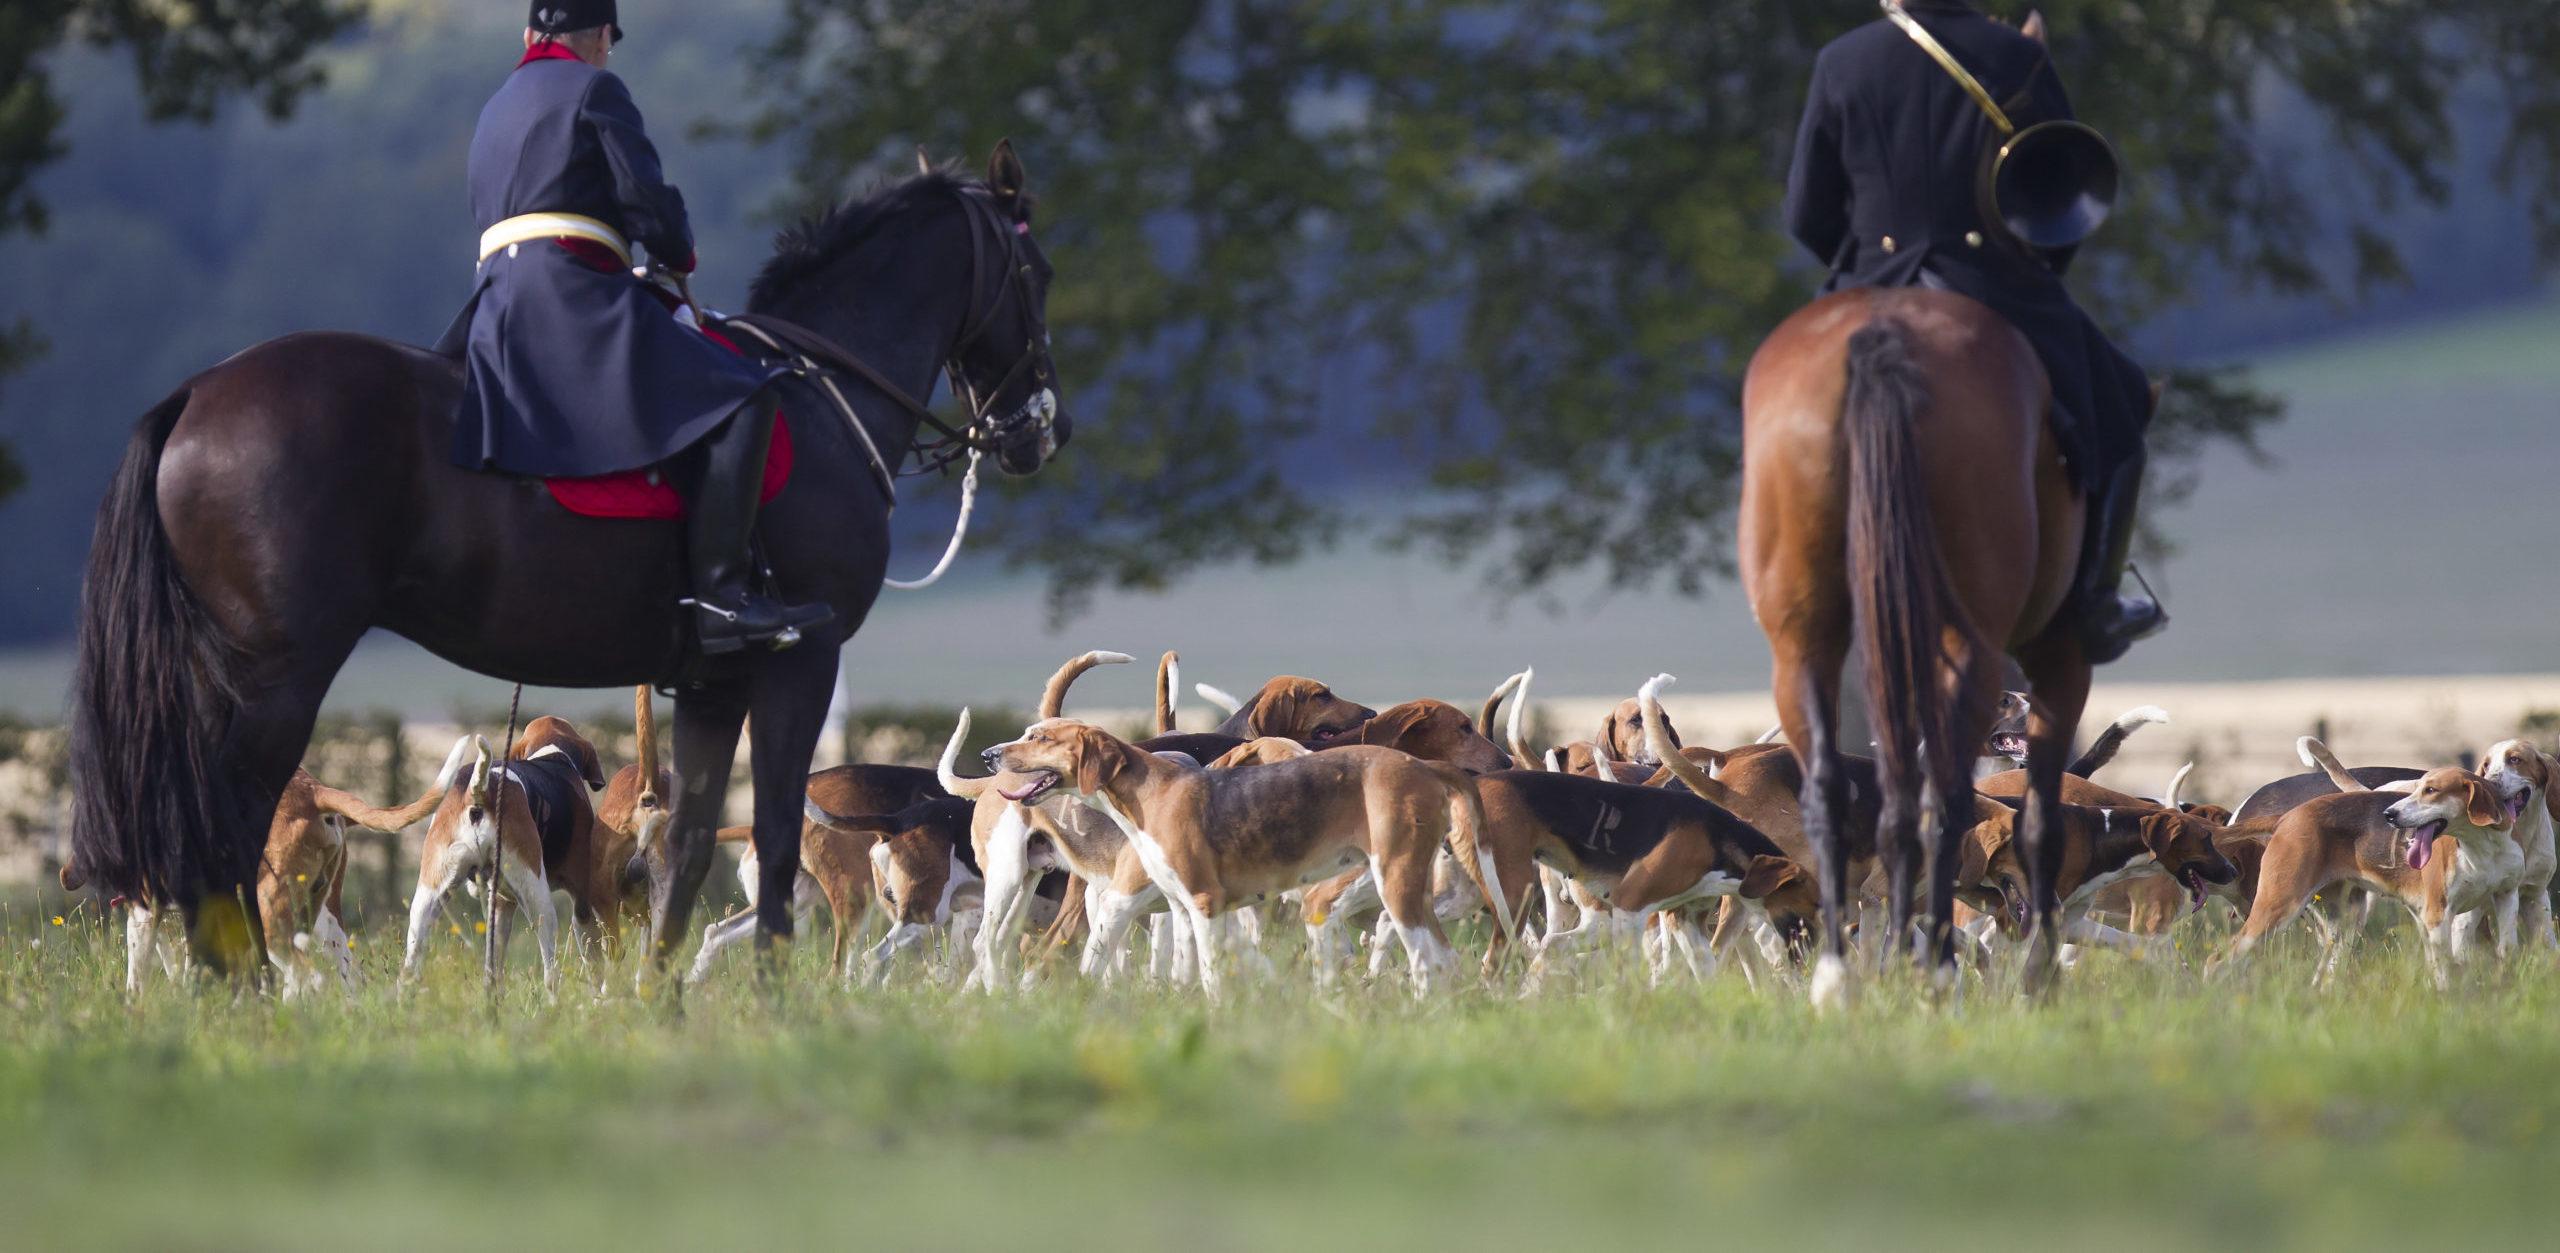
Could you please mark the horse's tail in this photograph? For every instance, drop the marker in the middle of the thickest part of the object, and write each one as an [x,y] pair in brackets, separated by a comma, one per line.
[1898,582]
[155,815]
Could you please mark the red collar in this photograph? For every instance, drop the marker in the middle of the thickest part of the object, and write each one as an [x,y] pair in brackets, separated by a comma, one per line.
[546,52]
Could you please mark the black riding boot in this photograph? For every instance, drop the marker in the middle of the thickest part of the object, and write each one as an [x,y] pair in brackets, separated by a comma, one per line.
[728,479]
[2111,621]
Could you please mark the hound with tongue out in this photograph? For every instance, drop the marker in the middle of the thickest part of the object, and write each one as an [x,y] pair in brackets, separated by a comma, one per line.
[2444,849]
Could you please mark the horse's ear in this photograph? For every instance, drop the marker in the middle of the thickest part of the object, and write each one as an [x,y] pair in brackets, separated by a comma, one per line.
[1005,176]
[2033,27]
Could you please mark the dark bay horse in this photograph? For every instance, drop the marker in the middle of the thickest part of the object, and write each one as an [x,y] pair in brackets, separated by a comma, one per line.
[279,505]
[1902,489]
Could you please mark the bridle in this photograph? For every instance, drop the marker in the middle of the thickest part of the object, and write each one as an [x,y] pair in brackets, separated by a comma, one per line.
[1039,409]
[814,357]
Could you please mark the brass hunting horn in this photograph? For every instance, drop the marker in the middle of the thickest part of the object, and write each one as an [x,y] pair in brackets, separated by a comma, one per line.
[2048,186]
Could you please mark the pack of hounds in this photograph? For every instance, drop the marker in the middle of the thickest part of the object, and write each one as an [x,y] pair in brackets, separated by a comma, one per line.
[1380,828]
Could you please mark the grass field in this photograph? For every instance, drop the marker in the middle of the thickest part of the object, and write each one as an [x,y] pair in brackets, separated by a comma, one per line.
[2140,1108]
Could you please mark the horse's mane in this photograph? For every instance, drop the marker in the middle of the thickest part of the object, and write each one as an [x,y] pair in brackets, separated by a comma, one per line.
[804,249]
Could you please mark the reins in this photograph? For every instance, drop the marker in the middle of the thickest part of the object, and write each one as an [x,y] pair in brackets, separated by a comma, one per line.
[817,360]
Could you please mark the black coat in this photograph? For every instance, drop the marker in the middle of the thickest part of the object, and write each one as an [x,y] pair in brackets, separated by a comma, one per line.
[1883,191]
[573,368]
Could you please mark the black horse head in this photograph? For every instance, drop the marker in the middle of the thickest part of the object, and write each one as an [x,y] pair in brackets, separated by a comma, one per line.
[1001,366]
[892,249]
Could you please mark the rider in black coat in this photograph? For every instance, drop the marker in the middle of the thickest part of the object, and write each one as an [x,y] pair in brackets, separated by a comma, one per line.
[572,366]
[1883,191]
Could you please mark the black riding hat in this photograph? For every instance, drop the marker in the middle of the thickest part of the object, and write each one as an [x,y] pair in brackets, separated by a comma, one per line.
[560,17]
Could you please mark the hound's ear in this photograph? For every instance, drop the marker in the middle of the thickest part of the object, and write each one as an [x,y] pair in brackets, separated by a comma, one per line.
[1098,761]
[2033,27]
[1389,729]
[1768,874]
[587,763]
[2481,804]
[2160,830]
[1005,176]
[1972,862]
[1274,710]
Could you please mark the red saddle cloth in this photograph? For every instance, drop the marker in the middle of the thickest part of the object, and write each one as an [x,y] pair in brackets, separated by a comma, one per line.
[647,494]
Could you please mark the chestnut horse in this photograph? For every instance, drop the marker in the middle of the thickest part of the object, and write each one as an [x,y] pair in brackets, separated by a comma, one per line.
[1903,490]
[283,503]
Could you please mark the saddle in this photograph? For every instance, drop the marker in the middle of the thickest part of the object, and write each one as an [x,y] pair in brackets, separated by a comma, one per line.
[645,494]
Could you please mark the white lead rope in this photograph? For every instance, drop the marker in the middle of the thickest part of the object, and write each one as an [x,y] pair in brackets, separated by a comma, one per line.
[959,530]
[888,480]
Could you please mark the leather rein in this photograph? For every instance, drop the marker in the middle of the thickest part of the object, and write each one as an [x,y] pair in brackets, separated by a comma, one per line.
[816,359]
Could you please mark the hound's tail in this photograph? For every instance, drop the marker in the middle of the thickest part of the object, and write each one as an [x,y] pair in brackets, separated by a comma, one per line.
[946,769]
[2177,783]
[1898,582]
[1219,697]
[156,813]
[364,813]
[477,794]
[644,723]
[1519,741]
[2103,750]
[1485,717]
[1657,737]
[1168,682]
[1053,699]
[2317,756]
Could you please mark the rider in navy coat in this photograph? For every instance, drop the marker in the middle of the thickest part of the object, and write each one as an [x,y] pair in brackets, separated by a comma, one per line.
[1883,191]
[574,367]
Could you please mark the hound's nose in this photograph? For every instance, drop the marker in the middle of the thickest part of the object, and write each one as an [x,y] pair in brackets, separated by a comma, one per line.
[990,754]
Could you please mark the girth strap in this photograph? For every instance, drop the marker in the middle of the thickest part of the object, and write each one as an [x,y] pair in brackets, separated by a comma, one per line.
[814,370]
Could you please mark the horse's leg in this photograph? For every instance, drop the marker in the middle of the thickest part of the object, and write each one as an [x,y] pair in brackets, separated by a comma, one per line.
[1897,848]
[1807,684]
[706,745]
[264,746]
[1947,801]
[791,693]
[2058,678]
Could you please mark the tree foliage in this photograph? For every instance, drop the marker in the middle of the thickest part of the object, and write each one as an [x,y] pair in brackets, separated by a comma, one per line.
[1539,239]
[188,55]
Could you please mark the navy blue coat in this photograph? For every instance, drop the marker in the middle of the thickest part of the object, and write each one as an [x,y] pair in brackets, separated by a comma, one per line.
[571,368]
[1890,150]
